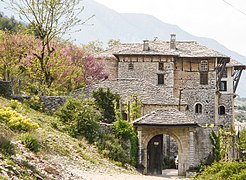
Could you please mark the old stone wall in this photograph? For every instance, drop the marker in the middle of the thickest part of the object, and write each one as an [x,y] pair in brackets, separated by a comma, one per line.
[111,67]
[148,108]
[148,69]
[202,144]
[5,89]
[50,103]
[227,101]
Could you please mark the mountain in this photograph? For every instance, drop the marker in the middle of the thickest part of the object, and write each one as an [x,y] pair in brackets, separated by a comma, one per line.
[131,27]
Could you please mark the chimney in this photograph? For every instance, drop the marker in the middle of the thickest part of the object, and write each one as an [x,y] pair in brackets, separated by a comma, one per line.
[173,42]
[146,45]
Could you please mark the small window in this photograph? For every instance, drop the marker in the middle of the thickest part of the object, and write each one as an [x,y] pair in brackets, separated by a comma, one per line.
[198,108]
[221,110]
[223,86]
[130,66]
[204,78]
[204,65]
[160,78]
[161,66]
[224,74]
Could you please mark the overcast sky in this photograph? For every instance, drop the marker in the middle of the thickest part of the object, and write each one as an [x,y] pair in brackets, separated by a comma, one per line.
[222,20]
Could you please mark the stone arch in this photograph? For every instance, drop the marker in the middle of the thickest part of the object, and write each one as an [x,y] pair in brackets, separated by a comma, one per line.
[179,135]
[168,132]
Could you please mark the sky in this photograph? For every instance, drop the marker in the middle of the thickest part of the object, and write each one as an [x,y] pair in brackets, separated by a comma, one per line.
[222,20]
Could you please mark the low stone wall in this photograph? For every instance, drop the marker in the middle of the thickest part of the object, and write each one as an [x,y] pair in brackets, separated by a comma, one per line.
[5,89]
[50,103]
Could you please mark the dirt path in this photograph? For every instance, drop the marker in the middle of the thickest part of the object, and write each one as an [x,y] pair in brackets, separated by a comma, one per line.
[167,174]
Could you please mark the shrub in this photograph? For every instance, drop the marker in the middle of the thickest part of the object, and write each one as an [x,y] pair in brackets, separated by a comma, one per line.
[80,118]
[110,147]
[125,131]
[16,121]
[30,141]
[6,147]
[224,170]
[106,102]
[34,103]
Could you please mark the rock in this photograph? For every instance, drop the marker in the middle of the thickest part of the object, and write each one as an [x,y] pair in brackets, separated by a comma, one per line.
[51,170]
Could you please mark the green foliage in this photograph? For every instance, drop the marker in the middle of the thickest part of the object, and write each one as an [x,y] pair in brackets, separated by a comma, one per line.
[224,170]
[34,103]
[30,141]
[6,147]
[16,121]
[215,140]
[135,105]
[9,24]
[242,141]
[80,118]
[110,147]
[106,102]
[125,131]
[240,117]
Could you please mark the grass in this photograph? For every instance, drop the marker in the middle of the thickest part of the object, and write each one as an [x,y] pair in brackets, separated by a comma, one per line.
[52,141]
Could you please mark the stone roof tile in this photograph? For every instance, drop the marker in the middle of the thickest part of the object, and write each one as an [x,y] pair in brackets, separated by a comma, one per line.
[158,47]
[170,117]
[149,93]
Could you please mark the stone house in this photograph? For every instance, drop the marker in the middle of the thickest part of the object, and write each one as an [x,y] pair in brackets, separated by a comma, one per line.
[184,87]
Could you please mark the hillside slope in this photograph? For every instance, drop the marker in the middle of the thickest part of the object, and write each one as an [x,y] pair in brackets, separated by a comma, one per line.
[60,156]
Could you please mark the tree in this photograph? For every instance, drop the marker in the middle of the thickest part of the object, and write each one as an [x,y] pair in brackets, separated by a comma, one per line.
[106,102]
[50,19]
[113,42]
[9,24]
[94,46]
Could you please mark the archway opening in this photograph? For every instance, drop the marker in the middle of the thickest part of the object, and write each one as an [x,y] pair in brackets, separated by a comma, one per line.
[162,154]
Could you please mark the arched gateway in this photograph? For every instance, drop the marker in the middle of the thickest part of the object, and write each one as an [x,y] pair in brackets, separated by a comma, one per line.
[150,133]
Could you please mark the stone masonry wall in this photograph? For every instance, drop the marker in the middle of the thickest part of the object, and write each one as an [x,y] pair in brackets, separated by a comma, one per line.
[147,69]
[50,103]
[226,100]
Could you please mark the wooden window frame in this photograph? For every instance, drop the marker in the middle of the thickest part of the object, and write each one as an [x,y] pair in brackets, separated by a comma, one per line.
[198,108]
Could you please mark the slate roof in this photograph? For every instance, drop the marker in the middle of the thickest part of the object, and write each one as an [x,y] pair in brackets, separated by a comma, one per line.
[158,47]
[170,117]
[149,93]
[234,63]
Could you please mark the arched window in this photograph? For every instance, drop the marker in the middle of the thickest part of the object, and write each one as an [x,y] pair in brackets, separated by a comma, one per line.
[198,108]
[221,110]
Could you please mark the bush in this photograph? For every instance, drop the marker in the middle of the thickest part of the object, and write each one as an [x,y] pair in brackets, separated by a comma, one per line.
[6,147]
[80,118]
[16,121]
[110,147]
[106,102]
[125,131]
[34,103]
[30,141]
[224,170]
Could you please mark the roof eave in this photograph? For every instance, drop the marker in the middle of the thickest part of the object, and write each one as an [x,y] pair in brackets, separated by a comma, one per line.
[165,125]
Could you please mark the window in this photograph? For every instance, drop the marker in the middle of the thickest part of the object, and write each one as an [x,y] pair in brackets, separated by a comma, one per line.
[161,66]
[204,72]
[198,108]
[224,74]
[204,65]
[160,78]
[221,110]
[223,86]
[204,78]
[130,66]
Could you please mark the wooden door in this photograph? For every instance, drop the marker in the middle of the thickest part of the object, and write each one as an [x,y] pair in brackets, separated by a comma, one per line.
[155,155]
